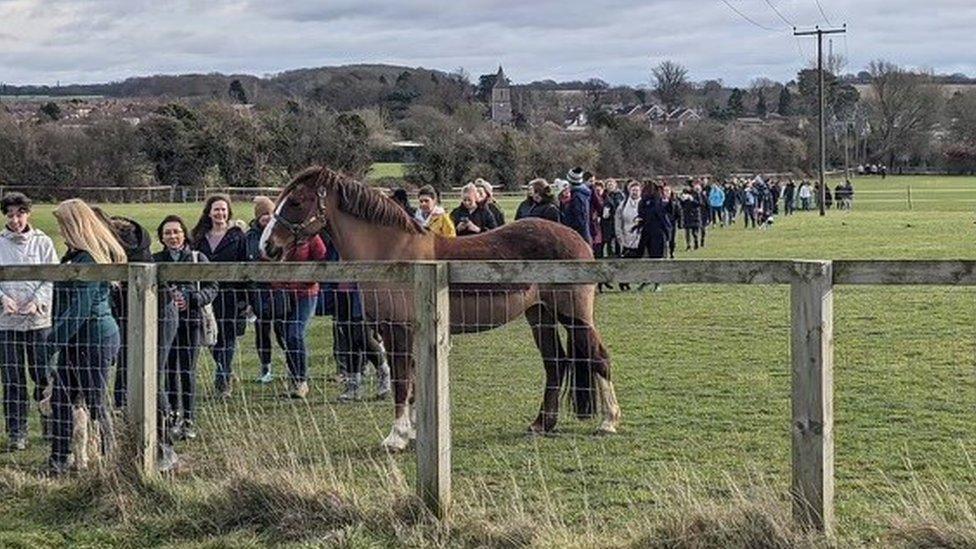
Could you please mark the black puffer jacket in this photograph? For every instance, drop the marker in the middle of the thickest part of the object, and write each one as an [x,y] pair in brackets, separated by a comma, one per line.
[690,210]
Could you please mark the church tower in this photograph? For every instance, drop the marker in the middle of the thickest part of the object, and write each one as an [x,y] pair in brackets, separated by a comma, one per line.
[501,99]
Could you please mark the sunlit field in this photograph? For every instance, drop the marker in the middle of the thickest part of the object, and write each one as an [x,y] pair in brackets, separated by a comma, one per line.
[703,378]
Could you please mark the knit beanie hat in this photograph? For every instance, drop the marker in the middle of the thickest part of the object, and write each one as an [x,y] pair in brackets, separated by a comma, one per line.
[558,186]
[575,176]
[262,206]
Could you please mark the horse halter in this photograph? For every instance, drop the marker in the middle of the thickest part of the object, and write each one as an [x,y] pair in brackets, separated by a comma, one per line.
[297,230]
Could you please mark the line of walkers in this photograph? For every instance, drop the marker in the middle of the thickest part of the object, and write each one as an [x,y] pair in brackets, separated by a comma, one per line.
[83,323]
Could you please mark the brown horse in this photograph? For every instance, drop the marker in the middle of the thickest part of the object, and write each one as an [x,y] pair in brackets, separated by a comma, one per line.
[365,225]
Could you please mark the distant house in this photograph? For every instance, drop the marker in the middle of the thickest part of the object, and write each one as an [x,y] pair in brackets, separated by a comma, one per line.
[644,114]
[406,151]
[683,115]
[576,121]
[657,116]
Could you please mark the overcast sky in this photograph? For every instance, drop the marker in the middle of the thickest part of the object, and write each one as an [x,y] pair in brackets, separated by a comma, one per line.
[45,41]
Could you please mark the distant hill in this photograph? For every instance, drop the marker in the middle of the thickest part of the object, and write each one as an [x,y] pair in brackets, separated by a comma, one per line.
[343,88]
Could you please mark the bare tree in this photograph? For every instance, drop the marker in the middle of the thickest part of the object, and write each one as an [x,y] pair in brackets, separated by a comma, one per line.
[904,107]
[671,83]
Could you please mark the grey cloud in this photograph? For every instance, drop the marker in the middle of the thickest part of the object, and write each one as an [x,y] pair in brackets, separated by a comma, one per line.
[617,40]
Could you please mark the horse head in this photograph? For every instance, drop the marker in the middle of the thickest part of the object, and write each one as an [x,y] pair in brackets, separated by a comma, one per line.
[300,213]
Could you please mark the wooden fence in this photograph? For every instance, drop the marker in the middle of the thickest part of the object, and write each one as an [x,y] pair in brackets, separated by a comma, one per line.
[811,298]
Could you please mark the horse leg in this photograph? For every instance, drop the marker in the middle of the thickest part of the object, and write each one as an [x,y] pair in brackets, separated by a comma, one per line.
[591,357]
[546,334]
[398,343]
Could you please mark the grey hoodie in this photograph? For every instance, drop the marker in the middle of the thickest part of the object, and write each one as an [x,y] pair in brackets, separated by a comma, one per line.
[31,247]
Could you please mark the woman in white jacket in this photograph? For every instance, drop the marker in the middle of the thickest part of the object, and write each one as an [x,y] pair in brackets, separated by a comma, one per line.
[25,316]
[625,220]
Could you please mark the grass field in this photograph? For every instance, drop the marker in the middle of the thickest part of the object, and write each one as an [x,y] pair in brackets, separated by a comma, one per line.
[704,450]
[387,169]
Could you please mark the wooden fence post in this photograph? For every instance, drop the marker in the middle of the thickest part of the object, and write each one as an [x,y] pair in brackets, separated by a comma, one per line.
[141,341]
[812,349]
[431,344]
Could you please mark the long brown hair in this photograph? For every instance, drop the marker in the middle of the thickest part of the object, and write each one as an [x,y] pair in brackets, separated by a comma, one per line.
[204,224]
[541,187]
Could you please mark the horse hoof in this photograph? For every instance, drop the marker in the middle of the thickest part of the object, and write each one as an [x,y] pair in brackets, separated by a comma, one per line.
[394,447]
[606,430]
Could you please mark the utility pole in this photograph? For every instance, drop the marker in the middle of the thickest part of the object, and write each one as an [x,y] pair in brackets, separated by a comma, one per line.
[847,151]
[822,162]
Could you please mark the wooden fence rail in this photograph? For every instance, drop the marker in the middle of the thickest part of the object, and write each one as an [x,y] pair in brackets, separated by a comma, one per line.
[811,305]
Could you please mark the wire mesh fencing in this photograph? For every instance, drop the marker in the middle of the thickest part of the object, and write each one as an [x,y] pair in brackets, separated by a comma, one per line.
[566,405]
[701,383]
[60,345]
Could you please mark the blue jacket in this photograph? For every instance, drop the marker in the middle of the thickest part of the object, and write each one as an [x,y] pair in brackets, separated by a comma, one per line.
[576,213]
[82,310]
[716,197]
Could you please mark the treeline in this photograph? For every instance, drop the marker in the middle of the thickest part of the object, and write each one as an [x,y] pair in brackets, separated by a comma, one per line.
[461,147]
[215,145]
[904,119]
[341,88]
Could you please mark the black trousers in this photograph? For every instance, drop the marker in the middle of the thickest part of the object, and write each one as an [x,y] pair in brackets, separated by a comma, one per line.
[353,342]
[180,371]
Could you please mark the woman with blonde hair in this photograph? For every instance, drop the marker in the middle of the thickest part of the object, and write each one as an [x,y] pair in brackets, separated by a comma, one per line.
[85,334]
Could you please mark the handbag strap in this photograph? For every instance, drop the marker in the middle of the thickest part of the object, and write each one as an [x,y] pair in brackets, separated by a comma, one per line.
[194,255]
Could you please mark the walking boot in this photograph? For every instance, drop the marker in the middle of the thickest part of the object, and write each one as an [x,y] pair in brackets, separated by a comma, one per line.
[353,388]
[299,390]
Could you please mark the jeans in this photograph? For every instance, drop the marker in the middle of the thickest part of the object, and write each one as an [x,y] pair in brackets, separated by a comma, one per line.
[295,325]
[804,204]
[82,373]
[749,215]
[691,236]
[120,388]
[717,214]
[16,348]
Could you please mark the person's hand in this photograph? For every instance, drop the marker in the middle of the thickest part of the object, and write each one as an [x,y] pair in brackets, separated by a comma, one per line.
[180,300]
[472,227]
[30,309]
[9,305]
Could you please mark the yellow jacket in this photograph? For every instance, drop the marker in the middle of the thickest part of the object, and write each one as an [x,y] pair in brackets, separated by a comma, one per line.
[438,222]
[442,225]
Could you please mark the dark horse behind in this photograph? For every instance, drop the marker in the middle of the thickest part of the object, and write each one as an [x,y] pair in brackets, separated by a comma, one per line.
[365,225]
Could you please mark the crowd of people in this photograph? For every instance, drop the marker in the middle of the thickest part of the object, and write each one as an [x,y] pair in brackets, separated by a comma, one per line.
[82,324]
[66,337]
[630,219]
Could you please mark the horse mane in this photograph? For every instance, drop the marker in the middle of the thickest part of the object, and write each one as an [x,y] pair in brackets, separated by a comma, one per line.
[355,198]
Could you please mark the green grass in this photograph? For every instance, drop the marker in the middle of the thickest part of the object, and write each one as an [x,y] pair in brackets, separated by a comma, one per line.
[702,374]
[382,170]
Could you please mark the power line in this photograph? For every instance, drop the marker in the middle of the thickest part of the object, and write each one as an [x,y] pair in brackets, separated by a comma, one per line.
[747,18]
[822,14]
[778,13]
